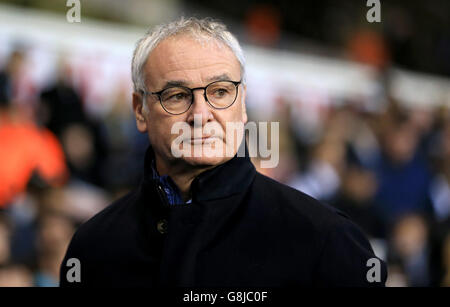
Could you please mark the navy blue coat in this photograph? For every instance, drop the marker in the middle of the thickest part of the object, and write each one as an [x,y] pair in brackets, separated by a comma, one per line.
[241,229]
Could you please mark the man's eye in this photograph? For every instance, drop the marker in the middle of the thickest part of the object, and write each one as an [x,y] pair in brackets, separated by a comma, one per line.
[177,97]
[220,92]
[180,96]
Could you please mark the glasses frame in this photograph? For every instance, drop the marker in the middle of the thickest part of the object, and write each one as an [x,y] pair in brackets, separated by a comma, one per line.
[236,84]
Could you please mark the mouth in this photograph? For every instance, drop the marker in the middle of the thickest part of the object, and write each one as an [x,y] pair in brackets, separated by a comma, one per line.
[203,140]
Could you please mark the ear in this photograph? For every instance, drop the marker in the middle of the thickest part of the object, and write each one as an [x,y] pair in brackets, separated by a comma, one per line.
[244,109]
[138,108]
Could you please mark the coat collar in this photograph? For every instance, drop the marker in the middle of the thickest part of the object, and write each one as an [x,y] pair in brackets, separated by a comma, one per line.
[227,179]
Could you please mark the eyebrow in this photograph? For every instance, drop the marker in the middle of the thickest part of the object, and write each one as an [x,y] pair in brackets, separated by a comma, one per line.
[222,77]
[172,83]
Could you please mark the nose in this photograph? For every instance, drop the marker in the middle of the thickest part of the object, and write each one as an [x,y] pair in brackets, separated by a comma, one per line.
[199,108]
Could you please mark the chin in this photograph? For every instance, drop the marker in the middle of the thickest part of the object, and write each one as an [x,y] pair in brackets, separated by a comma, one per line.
[205,160]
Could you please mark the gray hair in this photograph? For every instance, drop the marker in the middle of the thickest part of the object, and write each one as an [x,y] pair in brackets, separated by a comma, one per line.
[199,28]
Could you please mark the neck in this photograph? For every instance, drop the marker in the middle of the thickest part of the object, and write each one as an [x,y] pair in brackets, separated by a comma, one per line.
[181,173]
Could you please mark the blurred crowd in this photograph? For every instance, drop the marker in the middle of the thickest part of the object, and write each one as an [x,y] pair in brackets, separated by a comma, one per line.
[58,167]
[389,170]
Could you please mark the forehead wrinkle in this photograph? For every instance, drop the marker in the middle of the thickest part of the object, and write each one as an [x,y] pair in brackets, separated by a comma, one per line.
[196,63]
[184,62]
[195,76]
[178,82]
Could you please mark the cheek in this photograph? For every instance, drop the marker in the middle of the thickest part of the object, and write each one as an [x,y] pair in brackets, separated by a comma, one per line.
[231,115]
[236,112]
[159,128]
[235,121]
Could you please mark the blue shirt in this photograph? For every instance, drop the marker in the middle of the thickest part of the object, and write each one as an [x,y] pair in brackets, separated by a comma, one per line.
[172,192]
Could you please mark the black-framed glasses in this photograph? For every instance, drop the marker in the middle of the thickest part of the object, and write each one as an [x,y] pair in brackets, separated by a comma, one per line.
[176,100]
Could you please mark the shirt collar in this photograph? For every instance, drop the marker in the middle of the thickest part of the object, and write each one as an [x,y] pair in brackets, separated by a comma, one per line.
[173,194]
[229,178]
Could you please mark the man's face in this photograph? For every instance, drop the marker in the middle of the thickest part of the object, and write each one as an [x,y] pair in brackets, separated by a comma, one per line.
[183,59]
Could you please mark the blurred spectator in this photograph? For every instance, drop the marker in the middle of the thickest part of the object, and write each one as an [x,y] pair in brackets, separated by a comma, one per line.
[440,186]
[25,150]
[76,200]
[411,250]
[322,175]
[5,239]
[123,167]
[368,46]
[356,199]
[402,170]
[15,275]
[17,86]
[396,277]
[446,261]
[61,104]
[12,74]
[263,24]
[5,85]
[54,234]
[321,178]
[83,138]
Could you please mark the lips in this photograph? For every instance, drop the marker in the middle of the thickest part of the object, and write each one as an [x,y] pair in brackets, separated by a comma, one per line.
[203,140]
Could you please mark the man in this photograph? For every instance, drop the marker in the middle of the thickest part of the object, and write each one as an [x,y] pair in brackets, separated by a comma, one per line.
[209,219]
